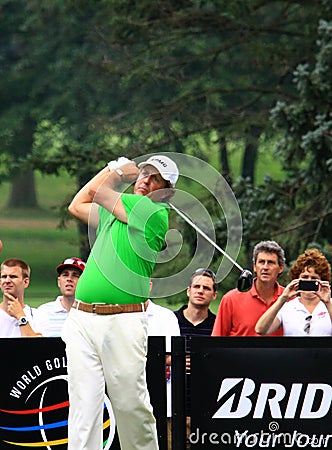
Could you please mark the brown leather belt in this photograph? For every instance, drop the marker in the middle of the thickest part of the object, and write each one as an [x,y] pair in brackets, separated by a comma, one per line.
[100,308]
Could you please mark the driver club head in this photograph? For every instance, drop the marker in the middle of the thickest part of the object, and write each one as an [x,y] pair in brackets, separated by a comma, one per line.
[245,281]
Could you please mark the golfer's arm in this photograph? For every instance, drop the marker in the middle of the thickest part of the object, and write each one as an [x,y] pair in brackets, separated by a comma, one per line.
[82,206]
[269,323]
[105,195]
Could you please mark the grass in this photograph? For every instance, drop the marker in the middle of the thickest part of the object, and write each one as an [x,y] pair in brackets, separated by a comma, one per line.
[34,235]
[42,249]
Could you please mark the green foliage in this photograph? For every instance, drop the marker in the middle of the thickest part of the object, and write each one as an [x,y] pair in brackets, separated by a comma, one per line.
[6,166]
[84,82]
[113,78]
[297,211]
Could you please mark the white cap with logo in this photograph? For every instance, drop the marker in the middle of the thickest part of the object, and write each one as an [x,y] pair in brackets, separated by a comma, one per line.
[165,166]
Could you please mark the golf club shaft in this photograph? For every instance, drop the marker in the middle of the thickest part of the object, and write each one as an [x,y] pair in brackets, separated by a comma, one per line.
[205,236]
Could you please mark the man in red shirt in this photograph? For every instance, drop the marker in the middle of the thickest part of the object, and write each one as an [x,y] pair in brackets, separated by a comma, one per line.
[239,311]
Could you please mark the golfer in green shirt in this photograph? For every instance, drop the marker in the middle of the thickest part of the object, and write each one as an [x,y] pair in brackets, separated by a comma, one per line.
[106,329]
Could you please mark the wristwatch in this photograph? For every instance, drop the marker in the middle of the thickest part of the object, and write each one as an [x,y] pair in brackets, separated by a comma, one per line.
[22,321]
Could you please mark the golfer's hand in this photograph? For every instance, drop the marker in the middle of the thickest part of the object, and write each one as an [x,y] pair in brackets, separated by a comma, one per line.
[129,172]
[14,307]
[115,164]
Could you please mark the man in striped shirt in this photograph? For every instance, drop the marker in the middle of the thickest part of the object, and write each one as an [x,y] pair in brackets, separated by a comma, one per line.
[68,274]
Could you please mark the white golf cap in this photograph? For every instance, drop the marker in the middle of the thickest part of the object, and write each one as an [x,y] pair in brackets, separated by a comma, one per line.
[165,166]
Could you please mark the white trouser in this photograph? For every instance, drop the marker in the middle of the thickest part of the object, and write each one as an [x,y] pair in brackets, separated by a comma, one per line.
[111,349]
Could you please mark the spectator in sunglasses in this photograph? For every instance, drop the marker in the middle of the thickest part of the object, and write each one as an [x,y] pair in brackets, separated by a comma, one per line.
[309,311]
[56,311]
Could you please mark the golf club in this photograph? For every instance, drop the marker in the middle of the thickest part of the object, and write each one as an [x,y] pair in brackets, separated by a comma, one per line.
[246,278]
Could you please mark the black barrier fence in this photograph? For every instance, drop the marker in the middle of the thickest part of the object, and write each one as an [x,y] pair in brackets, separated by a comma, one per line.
[245,393]
[34,398]
[271,392]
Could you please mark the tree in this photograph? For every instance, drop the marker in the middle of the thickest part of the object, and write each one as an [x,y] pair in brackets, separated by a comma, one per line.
[52,93]
[16,122]
[154,74]
[297,211]
[102,79]
[195,67]
[174,70]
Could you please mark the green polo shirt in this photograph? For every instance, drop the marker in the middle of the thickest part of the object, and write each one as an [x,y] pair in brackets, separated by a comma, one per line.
[123,257]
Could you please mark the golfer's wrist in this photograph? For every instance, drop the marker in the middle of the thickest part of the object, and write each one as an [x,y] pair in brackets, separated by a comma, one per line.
[111,165]
[119,172]
[115,177]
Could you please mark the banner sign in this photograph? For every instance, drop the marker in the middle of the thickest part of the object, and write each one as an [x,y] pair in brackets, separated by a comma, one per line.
[34,397]
[245,393]
[257,393]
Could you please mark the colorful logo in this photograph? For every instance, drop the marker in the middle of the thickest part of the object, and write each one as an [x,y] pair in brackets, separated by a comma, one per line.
[43,422]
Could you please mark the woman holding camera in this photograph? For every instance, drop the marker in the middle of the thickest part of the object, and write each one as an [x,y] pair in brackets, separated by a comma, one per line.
[305,307]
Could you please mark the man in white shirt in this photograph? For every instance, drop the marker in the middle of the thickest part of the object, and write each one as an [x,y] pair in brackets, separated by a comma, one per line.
[56,311]
[161,323]
[16,318]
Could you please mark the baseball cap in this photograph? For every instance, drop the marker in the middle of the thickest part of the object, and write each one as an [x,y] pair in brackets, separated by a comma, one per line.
[73,263]
[165,166]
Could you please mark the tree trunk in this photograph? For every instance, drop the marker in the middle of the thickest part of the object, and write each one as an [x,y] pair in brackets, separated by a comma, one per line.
[225,169]
[84,238]
[86,235]
[23,191]
[250,154]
